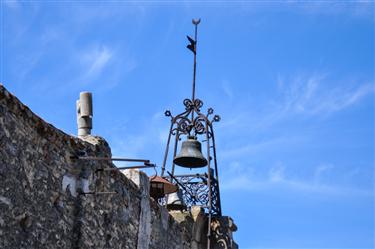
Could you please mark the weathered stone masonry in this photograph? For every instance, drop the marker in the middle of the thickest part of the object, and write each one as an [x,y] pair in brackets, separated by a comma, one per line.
[41,186]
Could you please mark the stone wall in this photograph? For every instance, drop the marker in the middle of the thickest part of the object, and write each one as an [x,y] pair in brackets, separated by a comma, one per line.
[51,199]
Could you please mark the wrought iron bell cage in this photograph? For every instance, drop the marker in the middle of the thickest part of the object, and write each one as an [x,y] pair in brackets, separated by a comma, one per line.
[201,187]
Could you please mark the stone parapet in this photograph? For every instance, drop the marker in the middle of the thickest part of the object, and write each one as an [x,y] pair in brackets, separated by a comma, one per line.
[51,199]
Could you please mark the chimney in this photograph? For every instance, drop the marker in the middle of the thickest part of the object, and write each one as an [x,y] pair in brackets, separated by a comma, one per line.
[84,114]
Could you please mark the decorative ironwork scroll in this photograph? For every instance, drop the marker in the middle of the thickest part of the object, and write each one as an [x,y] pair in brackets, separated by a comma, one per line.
[195,191]
[222,229]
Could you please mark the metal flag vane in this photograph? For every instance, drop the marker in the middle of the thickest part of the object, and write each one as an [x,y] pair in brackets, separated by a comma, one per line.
[200,188]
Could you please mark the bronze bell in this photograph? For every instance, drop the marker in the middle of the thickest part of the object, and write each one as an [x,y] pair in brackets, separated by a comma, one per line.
[191,154]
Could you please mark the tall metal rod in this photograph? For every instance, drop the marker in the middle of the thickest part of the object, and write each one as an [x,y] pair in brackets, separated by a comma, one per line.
[216,171]
[113,159]
[129,167]
[195,56]
[195,22]
[209,187]
[175,149]
[166,149]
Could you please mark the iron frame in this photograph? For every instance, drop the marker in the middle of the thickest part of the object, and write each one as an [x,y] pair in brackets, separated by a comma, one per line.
[197,189]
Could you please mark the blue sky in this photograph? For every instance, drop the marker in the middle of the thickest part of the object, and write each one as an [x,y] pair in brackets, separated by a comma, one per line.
[293,83]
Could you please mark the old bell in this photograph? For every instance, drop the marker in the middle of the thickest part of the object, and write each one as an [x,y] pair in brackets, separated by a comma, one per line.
[175,201]
[191,154]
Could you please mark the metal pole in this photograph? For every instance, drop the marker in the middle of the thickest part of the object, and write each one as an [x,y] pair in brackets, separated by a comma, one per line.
[216,171]
[130,167]
[209,188]
[167,149]
[175,149]
[195,22]
[113,159]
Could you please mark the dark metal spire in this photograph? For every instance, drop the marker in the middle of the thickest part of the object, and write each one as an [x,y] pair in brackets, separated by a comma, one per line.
[193,47]
[195,22]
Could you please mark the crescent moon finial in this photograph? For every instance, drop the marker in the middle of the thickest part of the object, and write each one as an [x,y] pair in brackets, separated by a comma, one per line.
[196,21]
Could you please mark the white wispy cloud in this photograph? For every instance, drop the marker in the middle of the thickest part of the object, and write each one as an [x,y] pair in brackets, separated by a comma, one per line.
[299,97]
[240,178]
[311,96]
[96,59]
[101,66]
[253,147]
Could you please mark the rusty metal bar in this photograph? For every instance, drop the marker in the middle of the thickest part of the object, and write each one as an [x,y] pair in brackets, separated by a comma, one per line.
[218,204]
[113,159]
[129,167]
[167,149]
[191,175]
[177,138]
[209,189]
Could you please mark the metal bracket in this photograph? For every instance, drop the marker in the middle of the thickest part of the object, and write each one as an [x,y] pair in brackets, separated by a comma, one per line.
[146,164]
